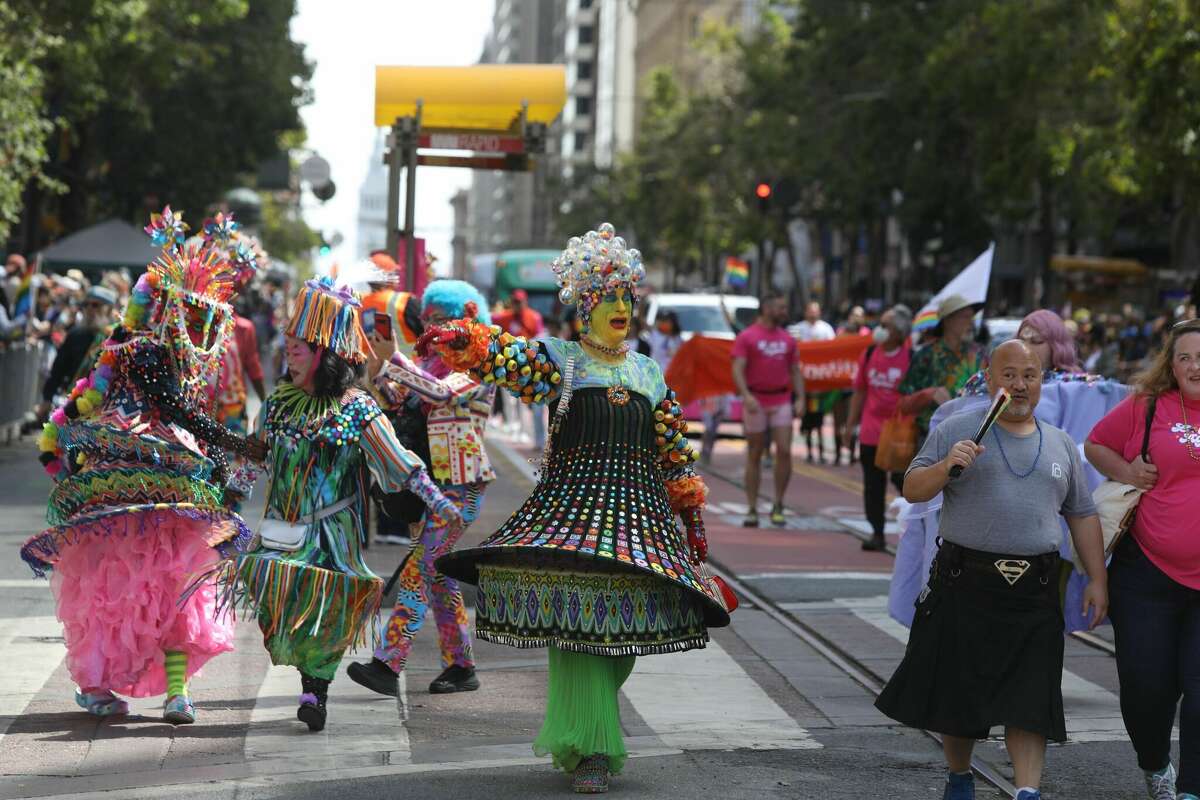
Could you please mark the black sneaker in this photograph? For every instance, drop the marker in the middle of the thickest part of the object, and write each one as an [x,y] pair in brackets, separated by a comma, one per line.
[455,679]
[376,676]
[875,544]
[312,713]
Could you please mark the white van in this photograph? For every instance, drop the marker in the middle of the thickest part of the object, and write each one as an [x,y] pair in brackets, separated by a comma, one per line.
[701,313]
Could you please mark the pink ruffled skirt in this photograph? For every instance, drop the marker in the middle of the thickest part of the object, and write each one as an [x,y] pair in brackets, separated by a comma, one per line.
[117,591]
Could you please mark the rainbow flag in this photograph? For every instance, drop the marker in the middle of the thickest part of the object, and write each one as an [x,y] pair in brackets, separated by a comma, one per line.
[737,272]
[971,283]
[926,319]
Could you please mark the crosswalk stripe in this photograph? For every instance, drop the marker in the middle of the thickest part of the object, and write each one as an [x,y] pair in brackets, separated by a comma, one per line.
[366,722]
[1093,712]
[31,658]
[704,700]
[817,575]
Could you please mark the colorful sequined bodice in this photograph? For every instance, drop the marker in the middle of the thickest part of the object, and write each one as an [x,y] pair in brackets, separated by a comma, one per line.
[637,372]
[602,498]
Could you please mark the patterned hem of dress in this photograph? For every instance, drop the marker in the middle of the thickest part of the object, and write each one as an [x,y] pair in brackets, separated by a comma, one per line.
[225,530]
[463,565]
[695,642]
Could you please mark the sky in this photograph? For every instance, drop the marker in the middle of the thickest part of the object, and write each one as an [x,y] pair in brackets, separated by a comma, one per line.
[346,40]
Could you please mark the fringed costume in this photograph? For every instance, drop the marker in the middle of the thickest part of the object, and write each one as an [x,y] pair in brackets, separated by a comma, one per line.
[592,565]
[313,594]
[138,504]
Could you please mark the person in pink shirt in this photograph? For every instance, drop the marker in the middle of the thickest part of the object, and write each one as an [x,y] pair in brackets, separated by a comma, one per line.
[1154,576]
[766,371]
[876,396]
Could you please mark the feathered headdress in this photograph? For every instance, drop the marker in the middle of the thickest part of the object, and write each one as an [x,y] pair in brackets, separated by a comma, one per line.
[330,316]
[596,263]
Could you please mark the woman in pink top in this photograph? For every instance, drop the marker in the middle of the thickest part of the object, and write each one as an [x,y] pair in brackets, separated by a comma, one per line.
[1155,573]
[875,399]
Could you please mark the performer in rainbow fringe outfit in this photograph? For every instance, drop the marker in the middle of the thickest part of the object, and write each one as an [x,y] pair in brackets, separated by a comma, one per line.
[138,506]
[592,566]
[308,584]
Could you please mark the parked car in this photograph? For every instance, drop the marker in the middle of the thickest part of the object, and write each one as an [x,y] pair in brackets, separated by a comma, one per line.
[1001,329]
[702,314]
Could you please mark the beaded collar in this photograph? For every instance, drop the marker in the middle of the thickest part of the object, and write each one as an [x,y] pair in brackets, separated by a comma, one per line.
[295,413]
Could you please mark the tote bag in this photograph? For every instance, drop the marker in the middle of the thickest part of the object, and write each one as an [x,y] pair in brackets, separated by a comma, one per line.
[897,443]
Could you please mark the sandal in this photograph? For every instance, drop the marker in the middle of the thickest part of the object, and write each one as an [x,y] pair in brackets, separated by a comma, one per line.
[591,776]
[101,704]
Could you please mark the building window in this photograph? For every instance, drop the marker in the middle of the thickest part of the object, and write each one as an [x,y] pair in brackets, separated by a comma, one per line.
[581,142]
[583,70]
[583,106]
[585,34]
[585,4]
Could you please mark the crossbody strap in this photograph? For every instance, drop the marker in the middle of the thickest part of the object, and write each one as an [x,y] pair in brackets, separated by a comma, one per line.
[1146,435]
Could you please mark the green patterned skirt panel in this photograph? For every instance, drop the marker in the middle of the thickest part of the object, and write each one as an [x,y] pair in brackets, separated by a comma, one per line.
[596,611]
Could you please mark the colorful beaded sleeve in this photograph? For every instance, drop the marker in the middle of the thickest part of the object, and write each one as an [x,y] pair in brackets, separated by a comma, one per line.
[514,363]
[149,370]
[676,456]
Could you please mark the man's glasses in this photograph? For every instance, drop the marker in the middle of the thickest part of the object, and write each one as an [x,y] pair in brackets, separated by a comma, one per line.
[1184,323]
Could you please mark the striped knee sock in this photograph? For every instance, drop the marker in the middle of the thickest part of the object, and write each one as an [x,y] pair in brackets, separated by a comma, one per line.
[176,666]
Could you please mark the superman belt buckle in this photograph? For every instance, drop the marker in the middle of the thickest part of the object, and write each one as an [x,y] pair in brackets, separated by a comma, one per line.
[1011,569]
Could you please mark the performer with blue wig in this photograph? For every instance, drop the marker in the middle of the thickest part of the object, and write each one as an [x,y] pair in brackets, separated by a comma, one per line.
[455,408]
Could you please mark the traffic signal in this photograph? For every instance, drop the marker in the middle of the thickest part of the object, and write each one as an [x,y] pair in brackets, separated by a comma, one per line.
[763,192]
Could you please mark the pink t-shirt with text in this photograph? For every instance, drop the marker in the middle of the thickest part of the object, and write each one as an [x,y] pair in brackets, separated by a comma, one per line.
[769,354]
[1167,526]
[878,378]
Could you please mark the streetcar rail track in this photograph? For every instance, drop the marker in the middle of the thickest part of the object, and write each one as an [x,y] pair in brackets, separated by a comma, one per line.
[844,661]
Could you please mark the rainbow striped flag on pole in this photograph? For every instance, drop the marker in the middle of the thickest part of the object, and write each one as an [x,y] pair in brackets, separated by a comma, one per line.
[737,272]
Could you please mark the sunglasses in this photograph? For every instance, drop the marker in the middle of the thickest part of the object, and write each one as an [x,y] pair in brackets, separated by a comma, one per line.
[1186,324]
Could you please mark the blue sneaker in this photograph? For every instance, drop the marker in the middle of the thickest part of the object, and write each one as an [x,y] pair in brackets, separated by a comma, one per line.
[1187,796]
[101,704]
[1161,785]
[178,710]
[959,787]
[1029,794]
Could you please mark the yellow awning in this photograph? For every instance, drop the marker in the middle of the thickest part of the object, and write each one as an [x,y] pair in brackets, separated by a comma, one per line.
[484,97]
[1107,266]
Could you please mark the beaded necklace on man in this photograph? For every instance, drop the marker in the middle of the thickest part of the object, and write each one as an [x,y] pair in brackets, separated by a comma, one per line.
[1036,458]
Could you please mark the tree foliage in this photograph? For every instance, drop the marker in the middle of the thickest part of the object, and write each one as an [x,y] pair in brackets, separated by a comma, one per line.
[24,123]
[1058,122]
[161,100]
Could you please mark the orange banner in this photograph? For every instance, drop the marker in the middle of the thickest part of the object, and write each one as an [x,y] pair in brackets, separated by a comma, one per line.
[702,367]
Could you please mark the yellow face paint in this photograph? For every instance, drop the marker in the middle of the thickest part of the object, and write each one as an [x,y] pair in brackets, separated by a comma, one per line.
[611,318]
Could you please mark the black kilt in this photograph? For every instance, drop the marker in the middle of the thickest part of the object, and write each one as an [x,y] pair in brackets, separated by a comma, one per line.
[983,653]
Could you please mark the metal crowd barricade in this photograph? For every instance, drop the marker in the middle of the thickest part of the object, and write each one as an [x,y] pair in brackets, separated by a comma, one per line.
[19,372]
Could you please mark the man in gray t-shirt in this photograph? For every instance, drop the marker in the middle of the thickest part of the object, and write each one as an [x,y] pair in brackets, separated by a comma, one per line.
[986,647]
[1011,498]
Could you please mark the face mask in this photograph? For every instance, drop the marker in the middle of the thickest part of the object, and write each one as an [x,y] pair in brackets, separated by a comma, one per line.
[880,335]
